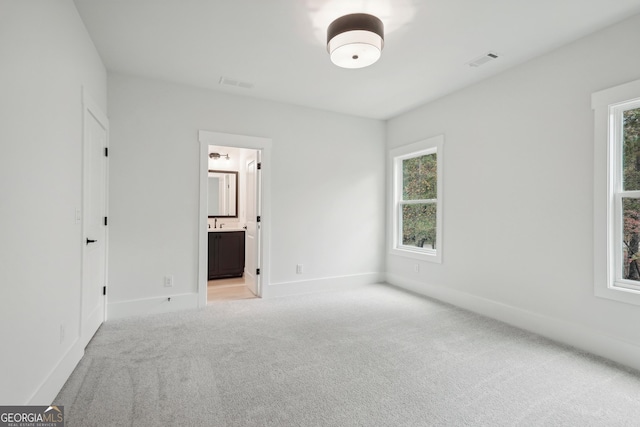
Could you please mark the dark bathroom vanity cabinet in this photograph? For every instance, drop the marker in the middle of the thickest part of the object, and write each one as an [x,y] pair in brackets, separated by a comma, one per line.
[226,254]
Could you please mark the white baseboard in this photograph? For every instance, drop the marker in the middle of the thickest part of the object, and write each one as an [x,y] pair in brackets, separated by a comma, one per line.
[573,334]
[321,285]
[118,310]
[51,386]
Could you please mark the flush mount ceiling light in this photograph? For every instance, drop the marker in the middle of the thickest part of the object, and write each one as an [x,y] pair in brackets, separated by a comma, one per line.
[355,41]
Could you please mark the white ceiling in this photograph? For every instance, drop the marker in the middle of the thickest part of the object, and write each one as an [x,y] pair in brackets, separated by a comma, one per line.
[279,46]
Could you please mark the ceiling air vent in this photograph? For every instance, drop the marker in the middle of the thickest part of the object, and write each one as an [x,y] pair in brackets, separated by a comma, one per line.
[226,81]
[489,56]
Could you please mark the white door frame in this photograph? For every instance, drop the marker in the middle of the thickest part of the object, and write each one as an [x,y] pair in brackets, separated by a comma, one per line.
[207,138]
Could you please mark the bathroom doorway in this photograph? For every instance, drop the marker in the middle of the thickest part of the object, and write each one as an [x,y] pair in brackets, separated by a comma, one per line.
[232,223]
[234,196]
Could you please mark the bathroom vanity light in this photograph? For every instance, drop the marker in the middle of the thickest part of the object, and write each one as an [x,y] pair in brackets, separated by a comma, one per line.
[216,156]
[355,41]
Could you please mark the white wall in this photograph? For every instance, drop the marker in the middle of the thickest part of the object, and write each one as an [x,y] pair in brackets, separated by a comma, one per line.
[47,57]
[518,195]
[327,190]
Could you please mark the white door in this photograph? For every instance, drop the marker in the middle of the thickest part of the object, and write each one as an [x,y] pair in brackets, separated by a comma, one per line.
[252,255]
[94,234]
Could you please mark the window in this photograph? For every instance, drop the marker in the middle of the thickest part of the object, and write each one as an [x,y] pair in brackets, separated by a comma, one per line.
[617,193]
[416,217]
[626,130]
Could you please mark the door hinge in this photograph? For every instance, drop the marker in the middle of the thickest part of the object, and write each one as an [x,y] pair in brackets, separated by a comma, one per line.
[106,151]
[258,218]
[257,271]
[105,220]
[259,165]
[104,290]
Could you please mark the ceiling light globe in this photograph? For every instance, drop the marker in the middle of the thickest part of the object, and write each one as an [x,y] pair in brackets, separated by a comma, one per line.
[355,49]
[355,41]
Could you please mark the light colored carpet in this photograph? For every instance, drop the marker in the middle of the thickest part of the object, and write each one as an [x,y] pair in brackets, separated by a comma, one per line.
[375,356]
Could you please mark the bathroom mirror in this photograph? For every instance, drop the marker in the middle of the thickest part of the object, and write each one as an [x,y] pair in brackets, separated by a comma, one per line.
[223,194]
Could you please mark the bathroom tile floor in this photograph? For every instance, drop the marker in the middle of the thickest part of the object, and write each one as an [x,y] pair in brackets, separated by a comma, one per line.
[228,289]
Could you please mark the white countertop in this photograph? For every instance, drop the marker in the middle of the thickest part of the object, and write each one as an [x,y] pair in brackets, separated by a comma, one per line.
[218,230]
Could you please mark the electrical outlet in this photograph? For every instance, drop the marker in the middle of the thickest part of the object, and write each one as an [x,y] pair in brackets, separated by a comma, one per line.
[299,269]
[168,281]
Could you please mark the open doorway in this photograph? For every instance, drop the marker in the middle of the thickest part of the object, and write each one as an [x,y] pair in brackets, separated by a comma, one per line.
[233,184]
[234,216]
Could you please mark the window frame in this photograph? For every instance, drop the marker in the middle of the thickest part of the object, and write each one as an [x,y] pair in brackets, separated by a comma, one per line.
[396,157]
[608,106]
[616,138]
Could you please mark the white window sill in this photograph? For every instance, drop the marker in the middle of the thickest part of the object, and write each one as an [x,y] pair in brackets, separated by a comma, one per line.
[620,294]
[430,255]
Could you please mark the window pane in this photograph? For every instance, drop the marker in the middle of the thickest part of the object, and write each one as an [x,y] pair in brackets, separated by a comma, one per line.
[419,178]
[419,225]
[631,154]
[631,238]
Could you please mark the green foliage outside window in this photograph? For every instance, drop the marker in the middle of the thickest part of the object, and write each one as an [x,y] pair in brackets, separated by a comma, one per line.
[631,182]
[419,183]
